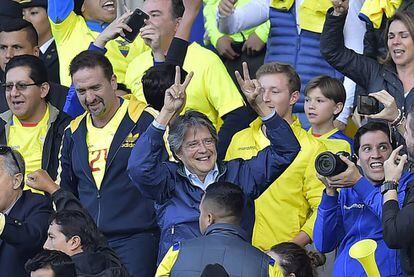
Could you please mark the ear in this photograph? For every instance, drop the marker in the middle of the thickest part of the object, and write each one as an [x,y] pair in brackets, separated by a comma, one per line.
[177,23]
[211,218]
[44,88]
[294,97]
[83,7]
[17,180]
[338,108]
[114,82]
[36,50]
[75,243]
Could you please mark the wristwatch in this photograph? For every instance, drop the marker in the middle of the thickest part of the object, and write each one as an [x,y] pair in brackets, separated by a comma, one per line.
[388,185]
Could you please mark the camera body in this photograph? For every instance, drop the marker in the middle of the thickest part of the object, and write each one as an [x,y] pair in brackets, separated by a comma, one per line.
[329,164]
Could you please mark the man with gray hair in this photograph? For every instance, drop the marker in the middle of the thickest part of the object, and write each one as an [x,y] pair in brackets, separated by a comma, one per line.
[23,216]
[178,188]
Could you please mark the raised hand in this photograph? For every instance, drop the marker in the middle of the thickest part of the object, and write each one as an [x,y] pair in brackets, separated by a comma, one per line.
[40,180]
[114,30]
[390,111]
[340,7]
[394,166]
[192,6]
[226,7]
[253,91]
[175,96]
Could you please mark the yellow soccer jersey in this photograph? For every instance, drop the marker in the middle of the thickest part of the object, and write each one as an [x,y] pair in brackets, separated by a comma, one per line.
[211,90]
[73,36]
[289,205]
[28,139]
[99,140]
[335,141]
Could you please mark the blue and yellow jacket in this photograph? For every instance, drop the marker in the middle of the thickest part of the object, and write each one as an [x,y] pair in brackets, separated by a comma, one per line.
[118,208]
[178,200]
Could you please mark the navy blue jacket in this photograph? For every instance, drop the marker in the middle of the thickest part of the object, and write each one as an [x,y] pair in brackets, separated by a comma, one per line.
[118,208]
[24,233]
[178,200]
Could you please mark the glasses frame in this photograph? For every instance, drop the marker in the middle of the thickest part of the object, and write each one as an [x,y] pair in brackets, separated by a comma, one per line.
[4,85]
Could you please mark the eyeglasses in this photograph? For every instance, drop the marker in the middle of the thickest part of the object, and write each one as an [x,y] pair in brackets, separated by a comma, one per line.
[7,149]
[19,86]
[194,145]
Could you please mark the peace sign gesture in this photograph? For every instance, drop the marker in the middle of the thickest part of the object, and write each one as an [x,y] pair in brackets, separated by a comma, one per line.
[174,100]
[253,91]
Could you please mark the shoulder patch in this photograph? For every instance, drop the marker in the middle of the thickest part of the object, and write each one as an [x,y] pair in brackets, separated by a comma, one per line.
[176,246]
[74,124]
[272,262]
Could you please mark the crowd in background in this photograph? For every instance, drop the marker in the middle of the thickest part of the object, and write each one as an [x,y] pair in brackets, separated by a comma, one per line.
[229,138]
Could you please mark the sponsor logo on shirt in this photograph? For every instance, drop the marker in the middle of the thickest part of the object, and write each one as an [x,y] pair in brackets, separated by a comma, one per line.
[130,141]
[354,206]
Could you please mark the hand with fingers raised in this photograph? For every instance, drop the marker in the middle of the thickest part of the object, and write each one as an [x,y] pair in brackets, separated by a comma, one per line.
[174,99]
[114,30]
[393,167]
[253,91]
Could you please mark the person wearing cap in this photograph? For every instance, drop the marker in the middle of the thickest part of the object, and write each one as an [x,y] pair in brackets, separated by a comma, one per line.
[77,23]
[35,11]
[9,10]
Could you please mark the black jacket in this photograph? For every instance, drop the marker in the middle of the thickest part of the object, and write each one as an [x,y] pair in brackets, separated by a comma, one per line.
[366,72]
[398,228]
[223,244]
[58,121]
[24,233]
[57,97]
[51,60]
[103,262]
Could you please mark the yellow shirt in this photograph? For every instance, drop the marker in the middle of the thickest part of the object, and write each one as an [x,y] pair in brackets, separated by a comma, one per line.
[289,205]
[29,140]
[99,141]
[211,90]
[73,36]
[335,141]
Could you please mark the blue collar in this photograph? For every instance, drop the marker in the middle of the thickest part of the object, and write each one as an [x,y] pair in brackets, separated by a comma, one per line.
[96,26]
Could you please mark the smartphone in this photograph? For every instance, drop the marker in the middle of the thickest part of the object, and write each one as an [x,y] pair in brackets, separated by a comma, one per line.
[135,22]
[368,105]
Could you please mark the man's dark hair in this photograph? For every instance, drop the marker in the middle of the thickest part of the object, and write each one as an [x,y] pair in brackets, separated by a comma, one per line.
[373,126]
[78,223]
[156,80]
[38,70]
[19,24]
[60,263]
[225,197]
[177,8]
[91,59]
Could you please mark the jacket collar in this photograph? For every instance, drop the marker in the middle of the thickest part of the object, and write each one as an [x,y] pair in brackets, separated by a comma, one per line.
[222,168]
[226,229]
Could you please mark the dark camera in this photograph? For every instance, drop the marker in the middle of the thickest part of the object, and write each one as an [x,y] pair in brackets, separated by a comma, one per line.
[368,105]
[136,21]
[330,164]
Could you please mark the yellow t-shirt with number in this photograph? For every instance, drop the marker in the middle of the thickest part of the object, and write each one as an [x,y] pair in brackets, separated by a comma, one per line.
[28,139]
[99,140]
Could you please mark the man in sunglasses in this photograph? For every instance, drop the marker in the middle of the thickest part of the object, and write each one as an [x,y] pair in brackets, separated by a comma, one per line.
[32,125]
[24,216]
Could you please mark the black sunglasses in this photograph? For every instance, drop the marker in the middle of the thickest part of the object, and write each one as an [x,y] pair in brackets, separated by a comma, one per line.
[7,149]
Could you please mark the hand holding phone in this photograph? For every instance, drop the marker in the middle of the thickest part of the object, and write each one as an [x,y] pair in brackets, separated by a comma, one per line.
[368,105]
[136,21]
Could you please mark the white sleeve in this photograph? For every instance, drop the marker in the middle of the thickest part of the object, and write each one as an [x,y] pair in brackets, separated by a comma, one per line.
[247,16]
[354,32]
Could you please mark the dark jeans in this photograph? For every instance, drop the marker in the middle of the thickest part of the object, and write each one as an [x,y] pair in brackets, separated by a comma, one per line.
[138,253]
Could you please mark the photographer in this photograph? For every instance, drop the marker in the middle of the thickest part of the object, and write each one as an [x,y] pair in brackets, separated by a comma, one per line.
[354,213]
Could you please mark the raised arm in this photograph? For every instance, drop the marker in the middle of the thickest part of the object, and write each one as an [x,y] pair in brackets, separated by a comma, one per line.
[232,20]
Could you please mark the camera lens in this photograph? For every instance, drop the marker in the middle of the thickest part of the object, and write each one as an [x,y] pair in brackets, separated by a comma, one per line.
[328,164]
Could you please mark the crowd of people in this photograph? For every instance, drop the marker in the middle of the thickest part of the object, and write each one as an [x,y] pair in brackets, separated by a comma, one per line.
[165,156]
